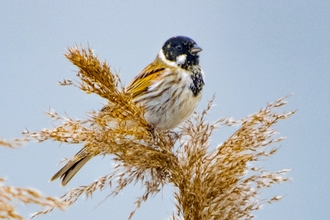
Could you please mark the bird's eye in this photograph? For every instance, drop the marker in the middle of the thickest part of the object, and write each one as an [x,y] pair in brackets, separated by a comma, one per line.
[179,47]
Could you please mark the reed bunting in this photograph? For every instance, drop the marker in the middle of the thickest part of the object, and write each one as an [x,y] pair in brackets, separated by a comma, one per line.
[168,89]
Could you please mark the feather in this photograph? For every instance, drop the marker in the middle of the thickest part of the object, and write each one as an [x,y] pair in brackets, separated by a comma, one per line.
[145,78]
[72,167]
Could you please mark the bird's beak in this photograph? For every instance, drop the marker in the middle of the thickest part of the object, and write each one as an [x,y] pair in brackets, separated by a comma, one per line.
[196,49]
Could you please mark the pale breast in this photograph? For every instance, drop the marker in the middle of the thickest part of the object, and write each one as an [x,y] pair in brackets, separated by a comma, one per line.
[171,100]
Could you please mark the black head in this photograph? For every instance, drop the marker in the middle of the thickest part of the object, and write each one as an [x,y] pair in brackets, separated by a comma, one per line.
[181,50]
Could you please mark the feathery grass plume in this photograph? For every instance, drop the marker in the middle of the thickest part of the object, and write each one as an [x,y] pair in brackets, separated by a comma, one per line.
[11,144]
[209,184]
[215,184]
[9,195]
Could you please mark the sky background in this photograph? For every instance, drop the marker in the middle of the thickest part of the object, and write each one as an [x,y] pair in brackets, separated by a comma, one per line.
[254,52]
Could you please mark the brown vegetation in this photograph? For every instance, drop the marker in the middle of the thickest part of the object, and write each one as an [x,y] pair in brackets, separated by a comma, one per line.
[219,182]
[9,195]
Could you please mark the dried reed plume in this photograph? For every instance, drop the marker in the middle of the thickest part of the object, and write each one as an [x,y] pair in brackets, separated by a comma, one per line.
[209,184]
[10,194]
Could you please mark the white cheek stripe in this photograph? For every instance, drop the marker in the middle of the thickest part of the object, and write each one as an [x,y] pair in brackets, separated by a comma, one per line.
[163,58]
[181,59]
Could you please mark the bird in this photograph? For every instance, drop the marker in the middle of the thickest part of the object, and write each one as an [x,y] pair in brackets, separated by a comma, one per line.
[168,89]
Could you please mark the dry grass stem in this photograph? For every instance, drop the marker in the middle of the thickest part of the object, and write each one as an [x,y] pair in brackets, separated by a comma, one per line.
[9,195]
[11,144]
[221,182]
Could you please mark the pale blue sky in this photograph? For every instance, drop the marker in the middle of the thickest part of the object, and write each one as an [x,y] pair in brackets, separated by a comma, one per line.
[254,52]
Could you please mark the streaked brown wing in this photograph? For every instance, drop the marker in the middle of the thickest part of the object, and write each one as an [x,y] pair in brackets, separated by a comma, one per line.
[145,78]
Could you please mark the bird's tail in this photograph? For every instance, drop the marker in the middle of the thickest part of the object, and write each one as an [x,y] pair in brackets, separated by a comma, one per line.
[72,167]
